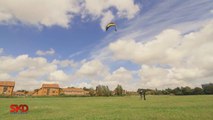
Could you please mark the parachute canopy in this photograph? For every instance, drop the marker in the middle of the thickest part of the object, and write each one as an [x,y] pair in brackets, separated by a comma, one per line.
[111,24]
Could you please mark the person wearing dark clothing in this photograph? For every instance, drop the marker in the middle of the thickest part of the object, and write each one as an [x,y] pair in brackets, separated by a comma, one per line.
[142,93]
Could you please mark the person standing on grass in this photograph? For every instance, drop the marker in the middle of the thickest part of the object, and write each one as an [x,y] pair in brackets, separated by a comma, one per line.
[142,92]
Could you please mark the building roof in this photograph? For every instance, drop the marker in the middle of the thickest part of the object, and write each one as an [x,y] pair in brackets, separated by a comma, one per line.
[30,92]
[73,90]
[50,86]
[7,83]
[20,93]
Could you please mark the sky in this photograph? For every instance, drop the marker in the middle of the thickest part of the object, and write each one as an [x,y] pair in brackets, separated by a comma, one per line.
[158,43]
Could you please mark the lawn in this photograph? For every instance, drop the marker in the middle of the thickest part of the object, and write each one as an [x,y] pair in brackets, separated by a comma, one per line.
[111,108]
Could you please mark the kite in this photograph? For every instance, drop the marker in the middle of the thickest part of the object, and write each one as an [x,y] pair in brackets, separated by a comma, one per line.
[111,24]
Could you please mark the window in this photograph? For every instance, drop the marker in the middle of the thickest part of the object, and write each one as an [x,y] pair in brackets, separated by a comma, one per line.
[5,89]
[48,91]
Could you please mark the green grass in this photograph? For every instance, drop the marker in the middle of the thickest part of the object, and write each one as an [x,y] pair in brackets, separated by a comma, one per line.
[111,108]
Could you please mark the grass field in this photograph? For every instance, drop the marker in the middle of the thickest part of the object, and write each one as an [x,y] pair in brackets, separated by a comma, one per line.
[111,108]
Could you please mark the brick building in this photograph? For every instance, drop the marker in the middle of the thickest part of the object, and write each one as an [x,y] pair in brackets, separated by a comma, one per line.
[74,91]
[47,90]
[6,87]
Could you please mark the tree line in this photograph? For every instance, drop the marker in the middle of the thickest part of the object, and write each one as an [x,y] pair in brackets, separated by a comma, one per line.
[205,89]
[103,90]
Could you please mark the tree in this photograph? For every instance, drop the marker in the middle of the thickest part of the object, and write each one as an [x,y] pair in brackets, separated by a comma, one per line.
[106,91]
[177,91]
[99,91]
[168,90]
[119,90]
[208,88]
[86,89]
[102,90]
[164,92]
[91,92]
[197,91]
[158,92]
[186,90]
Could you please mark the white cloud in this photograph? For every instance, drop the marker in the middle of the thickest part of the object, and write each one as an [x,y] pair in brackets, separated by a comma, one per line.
[4,17]
[125,8]
[169,47]
[96,73]
[58,75]
[150,52]
[1,50]
[82,85]
[93,68]
[120,75]
[65,63]
[155,77]
[110,84]
[39,12]
[37,71]
[26,84]
[43,53]
[170,59]
[11,64]
[44,13]
[101,9]
[95,7]
[152,21]
[30,72]
[107,18]
[211,11]
[101,76]
[26,67]
[4,76]
[188,56]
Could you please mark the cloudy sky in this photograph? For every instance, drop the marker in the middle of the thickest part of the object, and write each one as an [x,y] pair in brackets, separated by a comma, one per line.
[159,43]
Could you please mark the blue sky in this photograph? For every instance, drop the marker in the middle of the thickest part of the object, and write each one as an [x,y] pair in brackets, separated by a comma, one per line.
[83,36]
[75,33]
[65,41]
